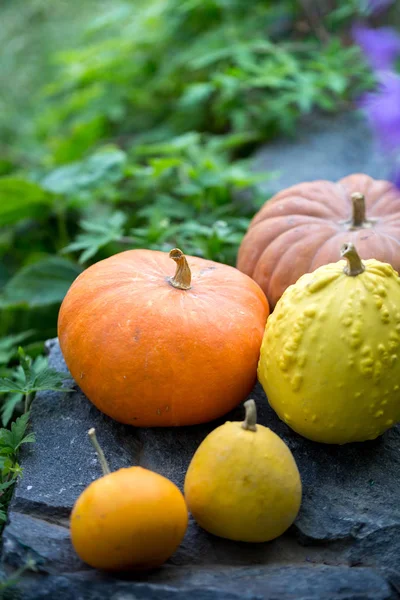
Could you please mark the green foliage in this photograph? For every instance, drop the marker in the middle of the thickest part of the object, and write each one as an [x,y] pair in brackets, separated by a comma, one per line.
[23,381]
[30,33]
[8,582]
[27,378]
[212,66]
[21,199]
[40,283]
[176,193]
[82,178]
[97,235]
[11,439]
[18,387]
[10,442]
[9,345]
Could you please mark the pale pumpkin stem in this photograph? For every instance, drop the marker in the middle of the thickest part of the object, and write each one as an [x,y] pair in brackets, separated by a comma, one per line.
[100,453]
[250,421]
[183,275]
[354,266]
[358,217]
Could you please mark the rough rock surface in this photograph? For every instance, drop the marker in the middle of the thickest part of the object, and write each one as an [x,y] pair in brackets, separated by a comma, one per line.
[345,543]
[328,147]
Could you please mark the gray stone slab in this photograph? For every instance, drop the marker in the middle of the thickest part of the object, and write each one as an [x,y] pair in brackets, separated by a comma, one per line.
[257,583]
[48,544]
[346,536]
[325,147]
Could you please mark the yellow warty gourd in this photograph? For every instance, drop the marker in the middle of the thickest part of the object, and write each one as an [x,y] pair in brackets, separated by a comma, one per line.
[243,483]
[329,361]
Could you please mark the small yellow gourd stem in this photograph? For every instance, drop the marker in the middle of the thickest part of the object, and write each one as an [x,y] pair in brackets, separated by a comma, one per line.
[250,420]
[354,266]
[358,217]
[100,453]
[183,276]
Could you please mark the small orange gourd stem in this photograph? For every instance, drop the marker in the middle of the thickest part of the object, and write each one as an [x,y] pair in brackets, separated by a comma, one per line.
[100,453]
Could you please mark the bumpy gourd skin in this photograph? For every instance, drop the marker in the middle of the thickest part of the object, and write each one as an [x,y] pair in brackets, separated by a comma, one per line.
[243,485]
[329,361]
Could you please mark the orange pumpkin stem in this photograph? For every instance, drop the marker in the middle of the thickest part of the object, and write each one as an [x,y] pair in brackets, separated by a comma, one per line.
[250,420]
[183,276]
[100,453]
[354,266]
[358,217]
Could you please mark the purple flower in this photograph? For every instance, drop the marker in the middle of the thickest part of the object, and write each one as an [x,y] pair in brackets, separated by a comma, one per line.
[380,46]
[382,109]
[377,6]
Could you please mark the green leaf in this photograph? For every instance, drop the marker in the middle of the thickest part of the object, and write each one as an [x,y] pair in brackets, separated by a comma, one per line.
[105,166]
[6,484]
[83,135]
[337,83]
[28,378]
[21,199]
[8,385]
[18,428]
[162,165]
[25,362]
[9,406]
[50,379]
[29,438]
[17,574]
[97,235]
[195,94]
[42,283]
[5,463]
[16,436]
[9,344]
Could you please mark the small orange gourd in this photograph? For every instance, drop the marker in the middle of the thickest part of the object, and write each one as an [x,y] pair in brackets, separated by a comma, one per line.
[153,350]
[131,519]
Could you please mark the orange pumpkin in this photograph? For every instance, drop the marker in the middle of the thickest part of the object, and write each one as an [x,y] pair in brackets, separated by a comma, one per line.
[153,350]
[129,519]
[302,227]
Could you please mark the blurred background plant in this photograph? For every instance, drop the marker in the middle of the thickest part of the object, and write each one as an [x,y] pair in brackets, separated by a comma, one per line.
[131,124]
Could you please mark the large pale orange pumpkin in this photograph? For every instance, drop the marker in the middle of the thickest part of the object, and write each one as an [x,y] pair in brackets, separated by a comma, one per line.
[302,227]
[152,349]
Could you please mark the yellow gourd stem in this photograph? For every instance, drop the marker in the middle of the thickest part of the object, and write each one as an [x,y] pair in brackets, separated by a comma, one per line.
[183,275]
[354,266]
[250,420]
[358,217]
[100,453]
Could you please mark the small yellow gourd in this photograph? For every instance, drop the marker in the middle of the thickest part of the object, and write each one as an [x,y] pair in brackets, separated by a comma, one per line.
[329,361]
[243,483]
